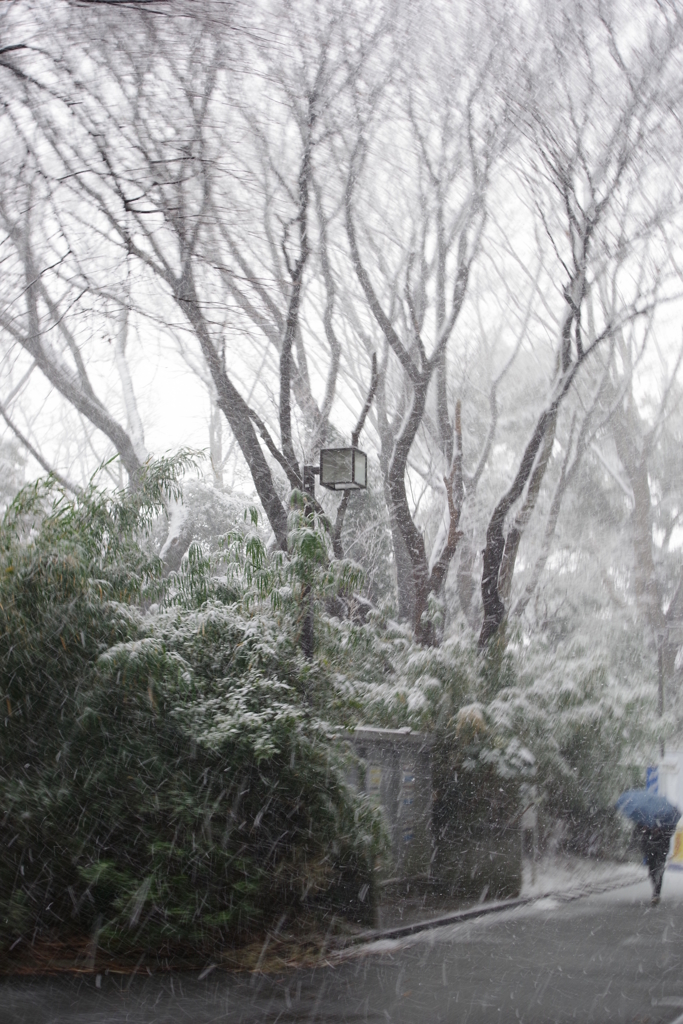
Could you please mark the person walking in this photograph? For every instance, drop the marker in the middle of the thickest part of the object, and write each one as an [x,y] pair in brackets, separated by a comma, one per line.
[654,842]
[655,819]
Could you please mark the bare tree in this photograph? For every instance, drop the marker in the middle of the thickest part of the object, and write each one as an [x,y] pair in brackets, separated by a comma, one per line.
[590,138]
[454,145]
[279,193]
[35,304]
[36,318]
[168,193]
[638,446]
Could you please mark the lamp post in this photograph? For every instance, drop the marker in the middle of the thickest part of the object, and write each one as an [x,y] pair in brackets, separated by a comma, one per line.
[343,469]
[340,469]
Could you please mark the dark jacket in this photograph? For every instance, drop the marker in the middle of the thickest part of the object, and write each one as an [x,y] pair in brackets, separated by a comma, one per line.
[654,842]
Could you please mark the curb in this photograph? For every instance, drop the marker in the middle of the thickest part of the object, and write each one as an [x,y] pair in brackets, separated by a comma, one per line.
[481,910]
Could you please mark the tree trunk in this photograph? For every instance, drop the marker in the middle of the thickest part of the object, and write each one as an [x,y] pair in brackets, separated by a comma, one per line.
[494,608]
[633,457]
[236,412]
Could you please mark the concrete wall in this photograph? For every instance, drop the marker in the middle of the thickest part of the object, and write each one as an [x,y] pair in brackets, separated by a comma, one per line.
[472,858]
[397,776]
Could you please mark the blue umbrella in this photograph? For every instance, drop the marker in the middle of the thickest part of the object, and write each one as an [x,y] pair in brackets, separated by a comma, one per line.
[648,809]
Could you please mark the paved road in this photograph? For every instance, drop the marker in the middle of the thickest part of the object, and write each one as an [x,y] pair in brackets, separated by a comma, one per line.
[602,958]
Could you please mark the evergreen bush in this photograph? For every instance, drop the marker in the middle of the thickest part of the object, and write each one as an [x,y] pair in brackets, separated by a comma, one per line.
[166,779]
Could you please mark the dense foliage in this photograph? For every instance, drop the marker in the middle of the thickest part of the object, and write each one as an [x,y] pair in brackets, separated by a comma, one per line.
[589,736]
[173,765]
[565,725]
[166,773]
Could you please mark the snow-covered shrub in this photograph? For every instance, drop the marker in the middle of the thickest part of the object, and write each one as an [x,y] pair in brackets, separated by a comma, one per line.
[590,731]
[166,774]
[558,715]
[478,774]
[478,768]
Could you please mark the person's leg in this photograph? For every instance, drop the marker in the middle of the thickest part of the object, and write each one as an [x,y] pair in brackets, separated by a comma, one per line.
[652,870]
[661,854]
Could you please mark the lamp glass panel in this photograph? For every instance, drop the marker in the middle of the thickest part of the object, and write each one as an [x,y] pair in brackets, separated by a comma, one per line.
[335,466]
[360,476]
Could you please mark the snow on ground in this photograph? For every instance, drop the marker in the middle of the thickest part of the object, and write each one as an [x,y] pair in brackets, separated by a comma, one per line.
[549,882]
[568,875]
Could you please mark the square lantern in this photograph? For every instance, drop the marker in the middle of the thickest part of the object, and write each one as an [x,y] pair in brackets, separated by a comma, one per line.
[343,469]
